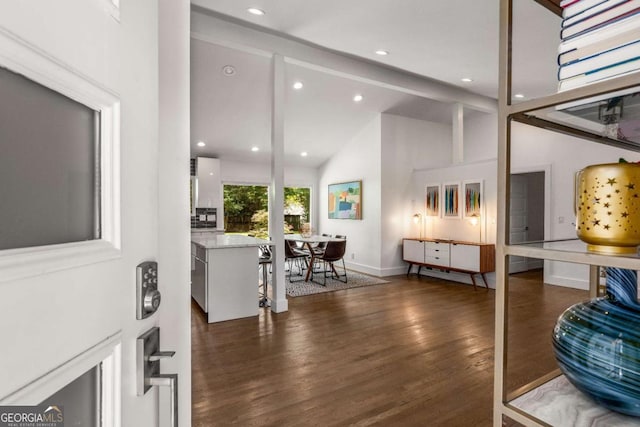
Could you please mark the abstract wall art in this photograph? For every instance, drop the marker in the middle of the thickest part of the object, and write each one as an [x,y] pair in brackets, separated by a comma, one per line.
[472,198]
[345,200]
[432,201]
[451,208]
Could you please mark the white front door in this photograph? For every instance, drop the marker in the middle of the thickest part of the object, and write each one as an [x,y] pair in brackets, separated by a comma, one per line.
[66,307]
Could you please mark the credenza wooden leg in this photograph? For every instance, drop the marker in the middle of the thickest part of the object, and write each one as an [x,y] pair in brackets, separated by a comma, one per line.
[473,279]
[486,284]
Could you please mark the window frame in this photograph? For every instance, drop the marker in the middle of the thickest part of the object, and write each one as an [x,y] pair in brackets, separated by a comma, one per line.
[25,59]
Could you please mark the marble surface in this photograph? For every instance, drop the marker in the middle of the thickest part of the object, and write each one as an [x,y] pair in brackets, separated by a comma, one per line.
[222,241]
[559,403]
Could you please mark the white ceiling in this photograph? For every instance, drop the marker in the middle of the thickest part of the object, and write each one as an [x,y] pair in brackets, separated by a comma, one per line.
[444,40]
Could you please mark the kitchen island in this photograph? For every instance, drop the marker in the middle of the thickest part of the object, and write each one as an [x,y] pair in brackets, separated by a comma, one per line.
[224,275]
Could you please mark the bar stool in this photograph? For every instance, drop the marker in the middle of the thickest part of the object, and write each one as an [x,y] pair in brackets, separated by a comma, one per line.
[264,262]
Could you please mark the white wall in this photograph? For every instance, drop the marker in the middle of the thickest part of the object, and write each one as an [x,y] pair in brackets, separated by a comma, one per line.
[480,152]
[406,144]
[387,153]
[359,160]
[480,136]
[534,149]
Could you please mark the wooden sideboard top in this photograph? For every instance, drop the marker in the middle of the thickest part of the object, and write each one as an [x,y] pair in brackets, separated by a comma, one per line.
[453,242]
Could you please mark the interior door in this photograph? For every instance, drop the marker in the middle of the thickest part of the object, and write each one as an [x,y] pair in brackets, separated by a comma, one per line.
[518,214]
[70,306]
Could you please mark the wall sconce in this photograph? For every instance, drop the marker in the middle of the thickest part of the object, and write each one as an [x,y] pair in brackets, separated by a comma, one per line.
[417,219]
[474,219]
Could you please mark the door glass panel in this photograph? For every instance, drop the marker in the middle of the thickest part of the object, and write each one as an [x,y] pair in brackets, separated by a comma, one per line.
[80,400]
[48,166]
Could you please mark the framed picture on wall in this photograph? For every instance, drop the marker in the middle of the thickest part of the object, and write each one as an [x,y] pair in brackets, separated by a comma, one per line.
[472,198]
[345,200]
[451,206]
[432,200]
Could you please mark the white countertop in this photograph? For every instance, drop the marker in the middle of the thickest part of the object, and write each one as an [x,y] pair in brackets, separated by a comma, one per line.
[222,241]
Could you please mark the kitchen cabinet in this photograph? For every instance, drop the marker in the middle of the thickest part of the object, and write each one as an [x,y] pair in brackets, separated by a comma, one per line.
[224,275]
[209,186]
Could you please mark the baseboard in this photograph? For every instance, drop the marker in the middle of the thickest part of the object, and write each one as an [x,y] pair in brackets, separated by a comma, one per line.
[362,268]
[373,271]
[566,282]
[393,271]
[279,306]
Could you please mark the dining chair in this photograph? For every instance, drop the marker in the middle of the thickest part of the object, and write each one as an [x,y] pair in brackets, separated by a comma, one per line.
[294,256]
[333,253]
[320,247]
[297,244]
[264,263]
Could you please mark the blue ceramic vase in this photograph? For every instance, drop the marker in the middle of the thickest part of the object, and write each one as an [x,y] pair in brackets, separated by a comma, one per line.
[597,344]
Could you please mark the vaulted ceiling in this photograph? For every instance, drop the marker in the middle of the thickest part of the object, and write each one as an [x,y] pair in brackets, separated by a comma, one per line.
[442,40]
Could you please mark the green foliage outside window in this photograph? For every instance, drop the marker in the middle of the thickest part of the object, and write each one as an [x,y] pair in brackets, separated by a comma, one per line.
[245,209]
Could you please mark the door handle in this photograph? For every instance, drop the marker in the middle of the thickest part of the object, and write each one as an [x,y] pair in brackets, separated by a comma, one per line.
[148,357]
[171,381]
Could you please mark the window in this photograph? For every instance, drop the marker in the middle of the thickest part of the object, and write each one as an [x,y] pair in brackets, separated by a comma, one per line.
[297,202]
[49,166]
[60,165]
[246,209]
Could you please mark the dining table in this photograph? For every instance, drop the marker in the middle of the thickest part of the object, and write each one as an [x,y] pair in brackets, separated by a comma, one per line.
[310,242]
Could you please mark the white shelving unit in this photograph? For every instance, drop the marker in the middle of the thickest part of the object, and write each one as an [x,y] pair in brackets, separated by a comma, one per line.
[558,396]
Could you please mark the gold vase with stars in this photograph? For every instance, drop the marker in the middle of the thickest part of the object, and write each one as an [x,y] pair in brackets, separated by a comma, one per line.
[608,207]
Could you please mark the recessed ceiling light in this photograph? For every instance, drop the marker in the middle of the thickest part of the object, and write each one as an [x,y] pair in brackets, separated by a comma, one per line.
[358,98]
[382,52]
[255,11]
[304,154]
[466,80]
[297,85]
[254,149]
[228,70]
[518,95]
[201,144]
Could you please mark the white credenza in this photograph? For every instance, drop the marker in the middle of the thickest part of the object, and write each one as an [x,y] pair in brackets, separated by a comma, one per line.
[450,255]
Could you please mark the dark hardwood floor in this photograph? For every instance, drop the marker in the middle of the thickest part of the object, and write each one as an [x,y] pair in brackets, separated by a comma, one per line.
[414,352]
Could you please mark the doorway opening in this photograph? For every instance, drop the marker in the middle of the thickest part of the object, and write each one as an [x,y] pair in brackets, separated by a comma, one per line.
[526,216]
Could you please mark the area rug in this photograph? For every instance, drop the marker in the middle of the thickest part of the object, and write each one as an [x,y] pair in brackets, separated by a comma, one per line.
[354,280]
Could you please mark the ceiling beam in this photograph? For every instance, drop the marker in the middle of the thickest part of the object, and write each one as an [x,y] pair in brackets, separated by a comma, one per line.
[212,27]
